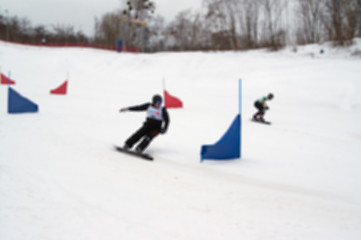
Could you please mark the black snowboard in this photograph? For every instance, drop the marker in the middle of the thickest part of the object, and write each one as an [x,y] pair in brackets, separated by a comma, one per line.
[260,121]
[133,153]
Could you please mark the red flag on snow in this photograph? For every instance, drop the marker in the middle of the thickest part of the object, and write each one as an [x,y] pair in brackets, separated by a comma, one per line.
[5,80]
[61,89]
[171,102]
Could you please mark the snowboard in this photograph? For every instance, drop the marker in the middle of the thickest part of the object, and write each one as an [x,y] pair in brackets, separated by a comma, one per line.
[133,153]
[260,121]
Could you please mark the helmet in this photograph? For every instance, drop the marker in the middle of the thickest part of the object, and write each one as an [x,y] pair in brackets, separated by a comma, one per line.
[157,99]
[270,96]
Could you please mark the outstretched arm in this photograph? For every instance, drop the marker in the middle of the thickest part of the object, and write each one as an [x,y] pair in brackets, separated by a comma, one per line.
[142,107]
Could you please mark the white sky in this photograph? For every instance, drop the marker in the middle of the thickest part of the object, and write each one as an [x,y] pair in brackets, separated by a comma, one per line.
[81,13]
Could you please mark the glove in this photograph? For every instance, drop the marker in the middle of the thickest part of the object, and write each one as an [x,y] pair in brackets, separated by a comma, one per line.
[163,131]
[266,108]
[123,110]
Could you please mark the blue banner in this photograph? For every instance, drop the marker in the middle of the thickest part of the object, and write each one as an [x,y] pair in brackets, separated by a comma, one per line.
[228,147]
[20,104]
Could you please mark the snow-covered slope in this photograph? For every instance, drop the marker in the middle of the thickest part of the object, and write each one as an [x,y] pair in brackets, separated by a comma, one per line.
[298,178]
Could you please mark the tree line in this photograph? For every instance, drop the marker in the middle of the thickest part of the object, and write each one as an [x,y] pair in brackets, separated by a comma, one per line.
[20,30]
[218,25]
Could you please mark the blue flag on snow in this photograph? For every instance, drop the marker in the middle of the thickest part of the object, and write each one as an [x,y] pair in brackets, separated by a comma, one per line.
[228,147]
[20,104]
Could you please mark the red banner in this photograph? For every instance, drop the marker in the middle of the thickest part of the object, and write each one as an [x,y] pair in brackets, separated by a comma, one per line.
[7,81]
[171,101]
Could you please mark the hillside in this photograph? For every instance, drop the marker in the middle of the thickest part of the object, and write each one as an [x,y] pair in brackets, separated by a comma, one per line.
[297,179]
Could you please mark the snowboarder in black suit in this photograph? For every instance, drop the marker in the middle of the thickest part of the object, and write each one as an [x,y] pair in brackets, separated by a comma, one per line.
[157,121]
[261,106]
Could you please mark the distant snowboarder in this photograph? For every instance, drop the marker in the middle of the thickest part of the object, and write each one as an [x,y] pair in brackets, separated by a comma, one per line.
[157,121]
[261,105]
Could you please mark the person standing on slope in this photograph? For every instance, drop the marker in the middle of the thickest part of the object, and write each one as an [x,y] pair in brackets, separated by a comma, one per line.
[156,122]
[262,107]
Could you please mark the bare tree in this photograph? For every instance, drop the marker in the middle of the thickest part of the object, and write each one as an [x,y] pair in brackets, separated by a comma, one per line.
[3,26]
[39,33]
[358,12]
[64,33]
[216,21]
[342,20]
[200,36]
[352,10]
[273,31]
[231,10]
[108,29]
[17,29]
[189,31]
[358,18]
[310,13]
[13,30]
[333,20]
[249,21]
[181,30]
[157,35]
[221,18]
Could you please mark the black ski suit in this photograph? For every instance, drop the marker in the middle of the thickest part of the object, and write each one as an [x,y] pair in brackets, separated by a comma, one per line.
[157,121]
[260,105]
